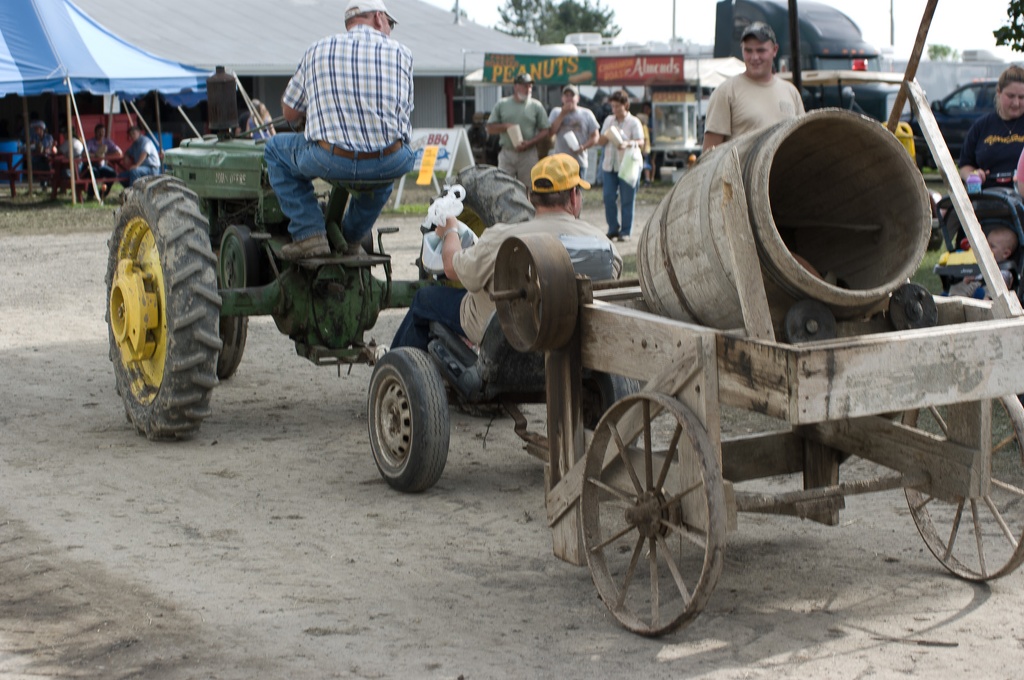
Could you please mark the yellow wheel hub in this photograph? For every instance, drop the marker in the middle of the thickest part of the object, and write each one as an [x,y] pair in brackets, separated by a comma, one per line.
[133,312]
[137,303]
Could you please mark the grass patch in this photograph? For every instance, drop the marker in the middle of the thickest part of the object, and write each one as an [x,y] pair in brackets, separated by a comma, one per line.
[925,276]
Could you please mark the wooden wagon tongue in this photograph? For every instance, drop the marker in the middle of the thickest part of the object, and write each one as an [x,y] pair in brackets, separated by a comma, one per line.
[832,201]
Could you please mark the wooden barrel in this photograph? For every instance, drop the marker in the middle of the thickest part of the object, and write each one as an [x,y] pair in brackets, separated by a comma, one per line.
[831,189]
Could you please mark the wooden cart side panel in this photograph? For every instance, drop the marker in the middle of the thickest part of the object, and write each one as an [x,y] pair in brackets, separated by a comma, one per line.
[634,343]
[755,376]
[862,376]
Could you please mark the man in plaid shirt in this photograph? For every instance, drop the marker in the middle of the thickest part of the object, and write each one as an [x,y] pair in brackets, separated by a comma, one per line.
[355,92]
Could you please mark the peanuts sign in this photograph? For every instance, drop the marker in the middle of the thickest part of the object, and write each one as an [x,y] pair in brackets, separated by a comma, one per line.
[502,69]
[659,69]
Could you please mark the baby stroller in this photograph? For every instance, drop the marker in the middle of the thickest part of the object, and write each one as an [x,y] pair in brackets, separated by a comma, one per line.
[998,207]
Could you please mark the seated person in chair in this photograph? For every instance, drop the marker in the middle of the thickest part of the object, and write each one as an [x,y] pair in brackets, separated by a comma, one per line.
[100,146]
[556,192]
[142,158]
[41,145]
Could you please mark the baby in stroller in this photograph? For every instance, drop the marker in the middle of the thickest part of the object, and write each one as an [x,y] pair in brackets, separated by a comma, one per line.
[1003,243]
[999,212]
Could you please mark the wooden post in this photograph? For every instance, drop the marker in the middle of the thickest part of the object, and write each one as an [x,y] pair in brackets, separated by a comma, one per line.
[794,45]
[915,59]
[159,128]
[564,378]
[821,469]
[28,136]
[71,150]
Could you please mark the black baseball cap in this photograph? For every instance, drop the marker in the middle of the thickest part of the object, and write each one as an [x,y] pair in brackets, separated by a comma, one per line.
[759,31]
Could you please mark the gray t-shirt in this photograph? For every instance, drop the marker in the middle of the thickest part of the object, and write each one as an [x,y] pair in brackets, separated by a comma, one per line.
[580,123]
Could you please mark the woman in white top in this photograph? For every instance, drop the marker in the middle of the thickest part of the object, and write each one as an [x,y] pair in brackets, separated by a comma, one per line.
[622,135]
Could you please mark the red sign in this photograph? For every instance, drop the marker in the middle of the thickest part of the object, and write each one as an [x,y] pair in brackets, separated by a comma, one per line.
[640,70]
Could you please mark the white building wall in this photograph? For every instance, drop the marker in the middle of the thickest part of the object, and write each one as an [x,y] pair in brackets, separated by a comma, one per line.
[431,110]
[430,105]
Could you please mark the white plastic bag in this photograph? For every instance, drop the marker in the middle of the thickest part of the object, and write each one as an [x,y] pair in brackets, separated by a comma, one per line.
[631,165]
[430,252]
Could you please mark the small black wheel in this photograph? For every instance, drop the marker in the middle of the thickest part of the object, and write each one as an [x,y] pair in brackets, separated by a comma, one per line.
[809,320]
[408,420]
[163,308]
[600,391]
[238,266]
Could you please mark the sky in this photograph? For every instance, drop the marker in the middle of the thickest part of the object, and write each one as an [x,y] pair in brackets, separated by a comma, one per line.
[958,24]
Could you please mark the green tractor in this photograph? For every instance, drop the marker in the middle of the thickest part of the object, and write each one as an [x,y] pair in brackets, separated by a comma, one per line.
[196,251]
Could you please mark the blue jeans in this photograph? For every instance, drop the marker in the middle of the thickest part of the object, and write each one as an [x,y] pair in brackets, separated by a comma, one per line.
[129,178]
[613,186]
[293,162]
[433,303]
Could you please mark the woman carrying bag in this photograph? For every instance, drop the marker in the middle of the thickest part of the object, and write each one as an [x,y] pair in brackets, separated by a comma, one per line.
[623,138]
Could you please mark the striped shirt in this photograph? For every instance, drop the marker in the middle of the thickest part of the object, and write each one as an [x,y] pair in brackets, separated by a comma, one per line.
[356,90]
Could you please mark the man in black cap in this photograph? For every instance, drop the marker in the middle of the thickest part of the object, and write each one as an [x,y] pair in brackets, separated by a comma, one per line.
[756,98]
[529,125]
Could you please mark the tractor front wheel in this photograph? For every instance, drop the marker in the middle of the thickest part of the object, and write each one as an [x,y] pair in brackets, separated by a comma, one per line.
[163,309]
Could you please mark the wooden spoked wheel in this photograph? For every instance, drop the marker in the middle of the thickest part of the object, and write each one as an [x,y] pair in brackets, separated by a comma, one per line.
[653,513]
[981,538]
[535,292]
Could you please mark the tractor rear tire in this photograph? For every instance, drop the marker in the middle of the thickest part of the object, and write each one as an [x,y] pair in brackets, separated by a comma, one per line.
[163,308]
[492,197]
[408,420]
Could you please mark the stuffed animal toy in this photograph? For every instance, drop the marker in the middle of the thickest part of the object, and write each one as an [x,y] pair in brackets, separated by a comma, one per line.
[448,204]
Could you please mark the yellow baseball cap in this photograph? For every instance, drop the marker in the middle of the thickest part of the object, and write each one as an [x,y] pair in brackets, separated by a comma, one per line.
[559,172]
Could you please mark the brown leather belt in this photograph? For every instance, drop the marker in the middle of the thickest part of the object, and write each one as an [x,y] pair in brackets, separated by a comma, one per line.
[360,155]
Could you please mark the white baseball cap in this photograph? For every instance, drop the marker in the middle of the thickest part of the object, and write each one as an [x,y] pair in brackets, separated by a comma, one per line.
[357,7]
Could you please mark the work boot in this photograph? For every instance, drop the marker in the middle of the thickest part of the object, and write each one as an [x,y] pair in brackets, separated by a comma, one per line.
[314,246]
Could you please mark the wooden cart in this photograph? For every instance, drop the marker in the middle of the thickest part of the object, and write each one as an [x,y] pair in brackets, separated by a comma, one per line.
[647,500]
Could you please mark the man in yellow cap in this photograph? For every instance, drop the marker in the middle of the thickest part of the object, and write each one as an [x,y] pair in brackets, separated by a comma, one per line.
[556,193]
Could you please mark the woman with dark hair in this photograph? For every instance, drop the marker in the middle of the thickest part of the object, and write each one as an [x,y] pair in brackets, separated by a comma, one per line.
[620,134]
[993,145]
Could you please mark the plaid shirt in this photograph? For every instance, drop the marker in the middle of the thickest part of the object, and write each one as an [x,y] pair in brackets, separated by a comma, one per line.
[356,90]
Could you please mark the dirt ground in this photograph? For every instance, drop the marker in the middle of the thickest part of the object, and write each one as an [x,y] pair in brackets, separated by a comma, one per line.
[269,547]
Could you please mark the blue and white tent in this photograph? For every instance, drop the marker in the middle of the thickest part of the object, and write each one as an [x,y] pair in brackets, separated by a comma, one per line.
[51,46]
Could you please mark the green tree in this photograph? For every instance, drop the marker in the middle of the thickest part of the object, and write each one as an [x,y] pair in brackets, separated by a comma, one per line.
[519,18]
[545,22]
[572,16]
[943,53]
[1012,33]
